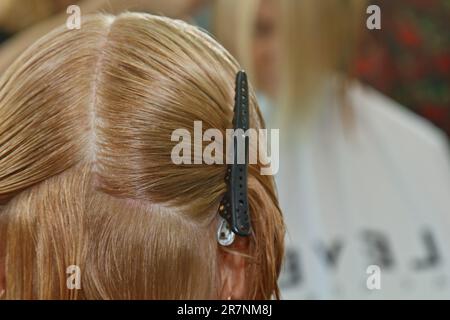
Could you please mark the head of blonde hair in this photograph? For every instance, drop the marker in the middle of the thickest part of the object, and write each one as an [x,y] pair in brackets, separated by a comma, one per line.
[317,40]
[86,176]
[17,15]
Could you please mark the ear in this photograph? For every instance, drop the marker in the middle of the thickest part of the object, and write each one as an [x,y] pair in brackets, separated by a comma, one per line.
[2,250]
[2,257]
[3,224]
[233,265]
[2,274]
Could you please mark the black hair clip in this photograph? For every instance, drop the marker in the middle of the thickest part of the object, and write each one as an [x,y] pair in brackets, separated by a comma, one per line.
[234,205]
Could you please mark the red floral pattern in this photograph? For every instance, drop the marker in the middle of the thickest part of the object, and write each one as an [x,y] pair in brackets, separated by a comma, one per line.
[409,59]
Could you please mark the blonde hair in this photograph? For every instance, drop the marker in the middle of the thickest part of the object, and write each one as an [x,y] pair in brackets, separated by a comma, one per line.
[17,15]
[318,39]
[233,24]
[86,176]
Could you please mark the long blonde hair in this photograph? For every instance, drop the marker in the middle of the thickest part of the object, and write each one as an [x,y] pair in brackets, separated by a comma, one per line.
[17,15]
[233,24]
[318,39]
[86,176]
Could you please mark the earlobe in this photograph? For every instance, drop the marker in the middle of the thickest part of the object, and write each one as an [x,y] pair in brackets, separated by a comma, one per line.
[233,265]
[2,252]
[2,264]
[2,275]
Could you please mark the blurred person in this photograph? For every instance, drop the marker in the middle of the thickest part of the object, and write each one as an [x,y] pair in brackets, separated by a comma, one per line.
[364,183]
[23,22]
[87,180]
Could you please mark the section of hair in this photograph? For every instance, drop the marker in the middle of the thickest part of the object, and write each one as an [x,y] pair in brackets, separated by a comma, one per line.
[86,176]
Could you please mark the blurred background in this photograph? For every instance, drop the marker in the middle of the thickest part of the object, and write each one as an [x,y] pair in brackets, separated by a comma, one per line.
[409,59]
[364,122]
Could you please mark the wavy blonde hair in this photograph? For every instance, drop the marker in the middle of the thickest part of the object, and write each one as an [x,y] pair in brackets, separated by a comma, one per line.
[86,176]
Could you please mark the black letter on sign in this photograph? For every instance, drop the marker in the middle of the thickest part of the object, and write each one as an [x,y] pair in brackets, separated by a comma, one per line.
[331,254]
[291,277]
[380,253]
[432,257]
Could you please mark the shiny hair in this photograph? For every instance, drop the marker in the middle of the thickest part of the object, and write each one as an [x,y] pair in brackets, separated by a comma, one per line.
[86,176]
